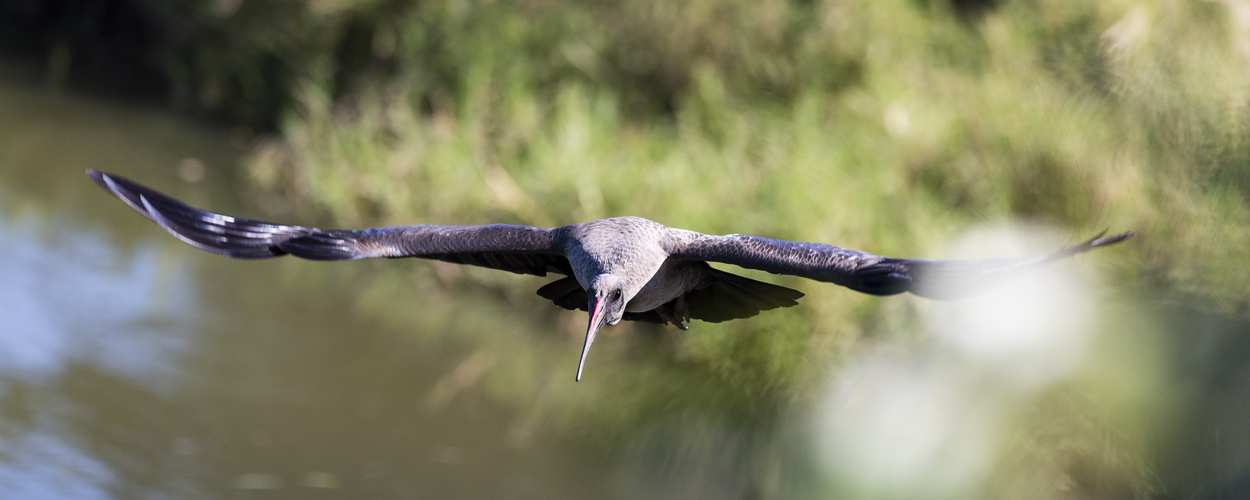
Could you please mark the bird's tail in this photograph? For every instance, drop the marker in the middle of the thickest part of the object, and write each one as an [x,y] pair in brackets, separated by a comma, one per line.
[226,235]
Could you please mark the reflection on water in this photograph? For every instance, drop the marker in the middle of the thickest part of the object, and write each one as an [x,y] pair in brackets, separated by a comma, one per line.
[71,293]
[132,366]
[75,307]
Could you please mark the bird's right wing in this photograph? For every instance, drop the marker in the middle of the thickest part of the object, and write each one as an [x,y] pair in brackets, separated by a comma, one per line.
[869,273]
[519,249]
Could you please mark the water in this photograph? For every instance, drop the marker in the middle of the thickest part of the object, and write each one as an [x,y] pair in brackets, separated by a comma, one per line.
[132,366]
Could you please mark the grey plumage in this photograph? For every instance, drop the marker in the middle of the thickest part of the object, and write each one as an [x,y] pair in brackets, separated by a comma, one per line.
[620,268]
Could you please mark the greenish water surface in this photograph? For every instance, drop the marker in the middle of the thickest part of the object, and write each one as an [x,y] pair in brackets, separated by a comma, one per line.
[132,366]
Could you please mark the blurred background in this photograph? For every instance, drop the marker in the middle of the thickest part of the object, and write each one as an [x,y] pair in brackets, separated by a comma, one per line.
[133,366]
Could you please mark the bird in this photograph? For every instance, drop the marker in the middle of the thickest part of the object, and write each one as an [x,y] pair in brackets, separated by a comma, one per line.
[620,268]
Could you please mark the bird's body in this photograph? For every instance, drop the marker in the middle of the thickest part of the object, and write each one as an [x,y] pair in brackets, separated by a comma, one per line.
[626,268]
[610,246]
[636,249]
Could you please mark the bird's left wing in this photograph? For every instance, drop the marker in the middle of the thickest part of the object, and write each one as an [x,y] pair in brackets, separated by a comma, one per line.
[519,249]
[868,273]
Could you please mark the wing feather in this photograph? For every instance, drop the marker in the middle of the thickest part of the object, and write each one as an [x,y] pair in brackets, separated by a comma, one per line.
[869,273]
[728,296]
[519,249]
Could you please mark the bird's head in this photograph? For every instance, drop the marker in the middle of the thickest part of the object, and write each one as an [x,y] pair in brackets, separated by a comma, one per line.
[607,299]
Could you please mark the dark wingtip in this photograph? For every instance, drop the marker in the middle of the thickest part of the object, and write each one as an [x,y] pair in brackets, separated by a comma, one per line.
[1115,238]
[975,276]
[234,237]
[121,188]
[98,177]
[1102,240]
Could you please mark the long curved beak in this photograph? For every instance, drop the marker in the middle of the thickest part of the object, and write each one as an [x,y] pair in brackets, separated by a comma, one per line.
[596,322]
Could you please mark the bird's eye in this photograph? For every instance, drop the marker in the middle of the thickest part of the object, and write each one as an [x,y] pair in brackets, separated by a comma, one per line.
[616,295]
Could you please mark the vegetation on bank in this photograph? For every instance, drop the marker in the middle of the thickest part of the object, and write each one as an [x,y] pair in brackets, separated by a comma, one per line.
[887,126]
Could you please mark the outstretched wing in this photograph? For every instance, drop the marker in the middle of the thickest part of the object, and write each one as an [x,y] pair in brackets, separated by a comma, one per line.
[868,273]
[519,249]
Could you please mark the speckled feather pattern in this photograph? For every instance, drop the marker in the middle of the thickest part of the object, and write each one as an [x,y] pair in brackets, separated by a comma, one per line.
[810,260]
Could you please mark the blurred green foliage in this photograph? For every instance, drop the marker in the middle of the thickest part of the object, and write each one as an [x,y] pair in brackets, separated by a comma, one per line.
[886,125]
[882,125]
